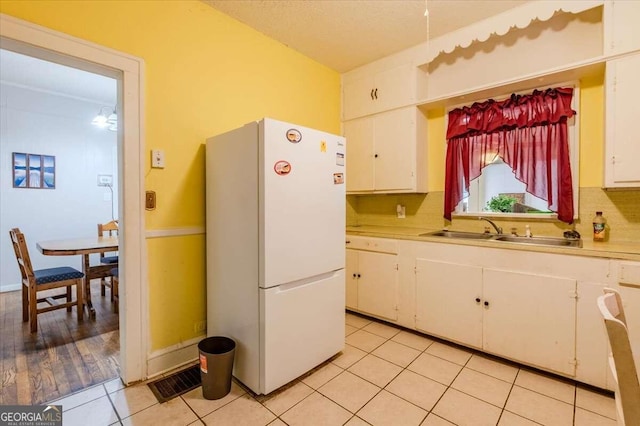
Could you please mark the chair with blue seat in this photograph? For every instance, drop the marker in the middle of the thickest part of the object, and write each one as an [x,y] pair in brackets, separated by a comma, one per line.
[109,229]
[621,362]
[40,280]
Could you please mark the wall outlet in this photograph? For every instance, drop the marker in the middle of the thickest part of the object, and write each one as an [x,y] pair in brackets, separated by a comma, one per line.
[401,211]
[150,200]
[199,326]
[105,180]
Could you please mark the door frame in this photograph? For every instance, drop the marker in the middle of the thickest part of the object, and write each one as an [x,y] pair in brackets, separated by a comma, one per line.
[35,40]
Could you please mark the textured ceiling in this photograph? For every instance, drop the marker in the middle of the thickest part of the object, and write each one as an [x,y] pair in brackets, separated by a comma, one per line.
[344,34]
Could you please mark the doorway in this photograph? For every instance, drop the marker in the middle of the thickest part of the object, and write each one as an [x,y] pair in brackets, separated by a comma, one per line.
[47,111]
[33,40]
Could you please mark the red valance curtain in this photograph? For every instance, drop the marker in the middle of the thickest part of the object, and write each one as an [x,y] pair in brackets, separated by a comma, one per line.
[529,133]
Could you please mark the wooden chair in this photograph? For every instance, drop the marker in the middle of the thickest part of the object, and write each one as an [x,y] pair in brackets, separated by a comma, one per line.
[40,280]
[115,289]
[109,229]
[621,358]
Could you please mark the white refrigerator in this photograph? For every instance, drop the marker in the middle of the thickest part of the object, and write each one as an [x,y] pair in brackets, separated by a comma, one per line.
[275,206]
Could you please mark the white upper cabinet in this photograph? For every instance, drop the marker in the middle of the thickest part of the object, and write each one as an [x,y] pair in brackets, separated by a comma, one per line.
[360,154]
[386,152]
[622,150]
[622,33]
[366,92]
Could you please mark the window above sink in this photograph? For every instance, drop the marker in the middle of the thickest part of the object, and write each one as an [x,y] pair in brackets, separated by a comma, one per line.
[498,193]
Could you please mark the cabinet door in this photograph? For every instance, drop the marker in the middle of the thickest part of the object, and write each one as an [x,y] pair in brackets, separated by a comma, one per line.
[446,303]
[394,88]
[359,136]
[374,92]
[395,150]
[629,287]
[592,344]
[621,31]
[358,97]
[351,279]
[622,147]
[377,284]
[531,318]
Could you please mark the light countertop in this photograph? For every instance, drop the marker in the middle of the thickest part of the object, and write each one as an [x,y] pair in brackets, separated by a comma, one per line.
[610,250]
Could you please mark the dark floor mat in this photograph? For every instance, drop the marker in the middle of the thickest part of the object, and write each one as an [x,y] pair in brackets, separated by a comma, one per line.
[176,384]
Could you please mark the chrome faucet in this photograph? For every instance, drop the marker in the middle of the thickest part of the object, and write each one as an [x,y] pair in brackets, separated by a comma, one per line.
[496,227]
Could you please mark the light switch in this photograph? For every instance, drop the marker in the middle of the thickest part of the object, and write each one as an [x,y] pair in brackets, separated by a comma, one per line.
[157,159]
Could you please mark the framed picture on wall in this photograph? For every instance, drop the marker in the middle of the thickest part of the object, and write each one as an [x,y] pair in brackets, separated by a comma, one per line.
[34,171]
[19,170]
[48,171]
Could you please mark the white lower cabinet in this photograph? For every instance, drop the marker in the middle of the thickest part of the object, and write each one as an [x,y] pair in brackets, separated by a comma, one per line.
[592,345]
[535,308]
[372,281]
[524,317]
[530,318]
[351,279]
[446,305]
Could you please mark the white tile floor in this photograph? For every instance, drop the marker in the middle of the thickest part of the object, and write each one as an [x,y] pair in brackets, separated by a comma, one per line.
[385,376]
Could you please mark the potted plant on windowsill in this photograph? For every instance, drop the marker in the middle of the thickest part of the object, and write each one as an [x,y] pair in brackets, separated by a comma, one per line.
[501,203]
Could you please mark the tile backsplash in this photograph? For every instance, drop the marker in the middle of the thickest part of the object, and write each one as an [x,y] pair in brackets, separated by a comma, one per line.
[620,208]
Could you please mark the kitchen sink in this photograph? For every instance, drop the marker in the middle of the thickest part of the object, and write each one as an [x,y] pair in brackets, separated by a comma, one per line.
[459,234]
[541,241]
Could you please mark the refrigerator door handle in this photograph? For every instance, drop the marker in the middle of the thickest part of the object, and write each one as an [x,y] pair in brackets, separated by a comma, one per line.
[306,281]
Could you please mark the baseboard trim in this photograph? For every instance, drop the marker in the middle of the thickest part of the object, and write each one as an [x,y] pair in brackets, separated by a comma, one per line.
[10,287]
[167,359]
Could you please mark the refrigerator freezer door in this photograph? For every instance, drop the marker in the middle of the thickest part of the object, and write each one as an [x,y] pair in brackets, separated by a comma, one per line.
[302,202]
[302,326]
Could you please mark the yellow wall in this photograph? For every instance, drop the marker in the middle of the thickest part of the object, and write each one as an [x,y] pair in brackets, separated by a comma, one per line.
[437,143]
[205,73]
[592,131]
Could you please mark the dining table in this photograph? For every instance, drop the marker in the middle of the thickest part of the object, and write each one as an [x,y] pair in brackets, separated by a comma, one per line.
[85,247]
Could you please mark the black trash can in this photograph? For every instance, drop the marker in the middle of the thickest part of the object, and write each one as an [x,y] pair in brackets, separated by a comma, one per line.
[216,365]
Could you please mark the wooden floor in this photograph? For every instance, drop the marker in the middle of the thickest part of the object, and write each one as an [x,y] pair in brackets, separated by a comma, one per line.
[63,357]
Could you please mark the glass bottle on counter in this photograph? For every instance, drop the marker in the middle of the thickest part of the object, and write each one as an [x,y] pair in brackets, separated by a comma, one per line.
[599,228]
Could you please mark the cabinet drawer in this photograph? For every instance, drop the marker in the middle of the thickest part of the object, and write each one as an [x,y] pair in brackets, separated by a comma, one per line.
[629,274]
[382,245]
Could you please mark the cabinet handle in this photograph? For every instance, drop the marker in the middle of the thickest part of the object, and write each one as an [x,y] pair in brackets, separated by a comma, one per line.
[477,300]
[375,155]
[486,303]
[354,275]
[375,93]
[348,242]
[359,275]
[371,94]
